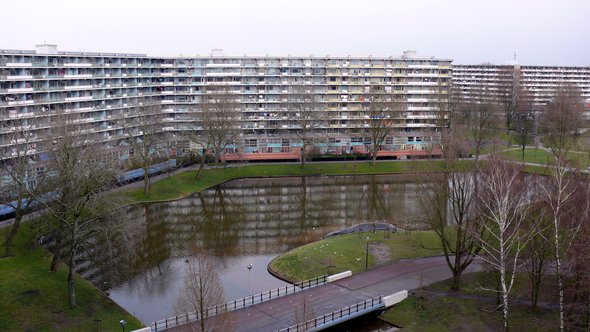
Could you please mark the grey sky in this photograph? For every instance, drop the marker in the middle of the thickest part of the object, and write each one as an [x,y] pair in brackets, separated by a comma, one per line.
[468,31]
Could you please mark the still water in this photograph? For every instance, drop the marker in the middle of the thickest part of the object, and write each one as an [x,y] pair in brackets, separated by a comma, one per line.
[139,256]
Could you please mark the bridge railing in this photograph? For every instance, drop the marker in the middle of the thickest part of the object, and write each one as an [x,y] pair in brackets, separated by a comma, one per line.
[237,304]
[333,317]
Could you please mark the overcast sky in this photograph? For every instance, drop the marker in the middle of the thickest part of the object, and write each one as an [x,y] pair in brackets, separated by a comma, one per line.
[468,31]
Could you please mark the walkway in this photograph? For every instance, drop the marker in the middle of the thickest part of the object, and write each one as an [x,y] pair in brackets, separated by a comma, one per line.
[382,281]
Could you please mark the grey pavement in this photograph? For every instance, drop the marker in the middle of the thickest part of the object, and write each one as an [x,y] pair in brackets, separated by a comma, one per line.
[382,281]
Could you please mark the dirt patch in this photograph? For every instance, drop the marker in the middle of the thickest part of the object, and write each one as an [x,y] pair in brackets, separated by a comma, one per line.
[380,253]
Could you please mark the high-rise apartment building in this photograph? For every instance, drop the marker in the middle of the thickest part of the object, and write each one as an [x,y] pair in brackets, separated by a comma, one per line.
[98,92]
[537,83]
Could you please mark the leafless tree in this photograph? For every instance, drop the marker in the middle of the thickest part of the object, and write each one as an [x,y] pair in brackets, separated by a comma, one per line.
[559,191]
[79,196]
[143,127]
[523,122]
[538,250]
[304,314]
[503,207]
[305,112]
[20,173]
[562,119]
[450,204]
[220,118]
[477,120]
[202,290]
[383,112]
[509,93]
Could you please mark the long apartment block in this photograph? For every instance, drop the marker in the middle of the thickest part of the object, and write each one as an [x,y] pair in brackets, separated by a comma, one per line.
[537,83]
[98,91]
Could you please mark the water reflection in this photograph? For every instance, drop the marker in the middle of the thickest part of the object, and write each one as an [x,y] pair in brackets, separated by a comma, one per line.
[139,255]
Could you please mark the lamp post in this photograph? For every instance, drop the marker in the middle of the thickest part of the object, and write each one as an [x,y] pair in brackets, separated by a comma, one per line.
[249,279]
[367,255]
[122,322]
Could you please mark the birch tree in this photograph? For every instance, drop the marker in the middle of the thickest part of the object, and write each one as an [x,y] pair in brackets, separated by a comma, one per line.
[503,207]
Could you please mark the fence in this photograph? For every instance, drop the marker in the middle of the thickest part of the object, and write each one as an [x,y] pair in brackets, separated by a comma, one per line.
[313,324]
[237,304]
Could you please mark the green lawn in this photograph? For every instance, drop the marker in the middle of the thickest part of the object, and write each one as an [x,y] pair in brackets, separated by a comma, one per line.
[541,156]
[33,299]
[184,184]
[439,314]
[449,313]
[347,252]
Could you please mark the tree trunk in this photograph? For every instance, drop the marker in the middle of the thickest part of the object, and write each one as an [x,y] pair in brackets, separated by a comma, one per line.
[12,234]
[303,155]
[55,260]
[201,165]
[146,181]
[456,281]
[71,285]
[559,282]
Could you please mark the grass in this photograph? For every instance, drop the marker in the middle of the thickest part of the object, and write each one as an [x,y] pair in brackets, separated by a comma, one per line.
[347,252]
[541,156]
[436,314]
[184,184]
[33,299]
[423,312]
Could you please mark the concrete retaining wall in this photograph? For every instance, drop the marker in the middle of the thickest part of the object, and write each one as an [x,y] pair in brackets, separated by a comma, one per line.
[338,276]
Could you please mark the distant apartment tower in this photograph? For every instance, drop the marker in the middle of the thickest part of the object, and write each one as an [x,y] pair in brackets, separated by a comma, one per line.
[538,83]
[99,91]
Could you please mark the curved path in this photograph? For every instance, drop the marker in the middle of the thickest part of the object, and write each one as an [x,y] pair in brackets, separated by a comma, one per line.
[381,281]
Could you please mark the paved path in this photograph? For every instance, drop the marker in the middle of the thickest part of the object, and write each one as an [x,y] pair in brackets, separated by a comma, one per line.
[382,281]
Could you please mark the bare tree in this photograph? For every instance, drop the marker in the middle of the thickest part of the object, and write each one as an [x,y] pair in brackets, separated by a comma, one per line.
[559,190]
[477,119]
[21,173]
[305,113]
[523,122]
[503,207]
[202,290]
[220,118]
[538,250]
[79,198]
[562,119]
[143,128]
[450,204]
[509,93]
[383,111]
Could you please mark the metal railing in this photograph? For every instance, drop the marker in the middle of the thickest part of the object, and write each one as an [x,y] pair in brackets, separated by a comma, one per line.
[244,302]
[319,322]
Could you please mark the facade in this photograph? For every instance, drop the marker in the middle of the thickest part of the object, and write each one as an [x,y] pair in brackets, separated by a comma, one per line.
[99,92]
[537,82]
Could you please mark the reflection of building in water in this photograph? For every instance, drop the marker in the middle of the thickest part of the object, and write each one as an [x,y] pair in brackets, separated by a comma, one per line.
[254,216]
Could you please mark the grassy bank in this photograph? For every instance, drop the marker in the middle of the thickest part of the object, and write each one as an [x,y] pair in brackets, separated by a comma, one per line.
[439,314]
[447,311]
[541,156]
[33,299]
[347,252]
[184,184]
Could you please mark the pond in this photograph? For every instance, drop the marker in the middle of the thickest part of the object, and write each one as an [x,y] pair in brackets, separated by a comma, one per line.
[139,256]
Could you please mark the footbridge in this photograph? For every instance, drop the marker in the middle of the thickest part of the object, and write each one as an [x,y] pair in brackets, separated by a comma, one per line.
[319,303]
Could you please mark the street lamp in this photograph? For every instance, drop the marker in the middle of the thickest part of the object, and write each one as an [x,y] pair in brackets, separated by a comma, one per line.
[122,322]
[367,255]
[249,279]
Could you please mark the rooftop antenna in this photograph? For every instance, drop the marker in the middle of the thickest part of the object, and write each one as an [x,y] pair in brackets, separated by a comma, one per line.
[514,55]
